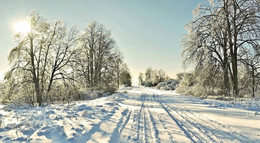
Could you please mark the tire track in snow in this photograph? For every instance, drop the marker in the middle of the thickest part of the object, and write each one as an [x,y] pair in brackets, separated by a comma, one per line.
[146,129]
[154,130]
[217,129]
[195,135]
[154,123]
[198,128]
[151,124]
[175,120]
[139,120]
[149,135]
[213,130]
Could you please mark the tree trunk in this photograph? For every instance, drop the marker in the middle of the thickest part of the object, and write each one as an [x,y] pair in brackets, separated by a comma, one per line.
[91,68]
[35,78]
[235,77]
[225,64]
[38,92]
[253,82]
[225,75]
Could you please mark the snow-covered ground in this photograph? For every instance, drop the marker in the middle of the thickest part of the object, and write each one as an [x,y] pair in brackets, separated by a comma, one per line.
[134,114]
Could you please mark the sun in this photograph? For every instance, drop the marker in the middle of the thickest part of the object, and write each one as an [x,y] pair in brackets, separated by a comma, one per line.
[22,27]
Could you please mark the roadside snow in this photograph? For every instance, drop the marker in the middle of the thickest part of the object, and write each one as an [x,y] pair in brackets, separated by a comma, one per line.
[135,114]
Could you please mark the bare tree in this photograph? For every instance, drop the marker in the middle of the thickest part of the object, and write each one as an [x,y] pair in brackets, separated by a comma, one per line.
[49,58]
[252,62]
[141,78]
[206,42]
[125,76]
[243,24]
[220,30]
[97,58]
[41,55]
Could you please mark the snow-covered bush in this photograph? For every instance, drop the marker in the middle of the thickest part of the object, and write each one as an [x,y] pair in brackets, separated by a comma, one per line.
[192,84]
[186,83]
[168,85]
[210,85]
[93,94]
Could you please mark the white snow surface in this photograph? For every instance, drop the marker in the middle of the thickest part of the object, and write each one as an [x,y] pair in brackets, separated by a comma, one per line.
[135,114]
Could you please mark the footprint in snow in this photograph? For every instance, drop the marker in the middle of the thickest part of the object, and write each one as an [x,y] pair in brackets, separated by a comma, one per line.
[50,112]
[28,131]
[20,139]
[55,131]
[83,107]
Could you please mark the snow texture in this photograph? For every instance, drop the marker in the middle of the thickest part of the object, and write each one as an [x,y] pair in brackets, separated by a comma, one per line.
[135,114]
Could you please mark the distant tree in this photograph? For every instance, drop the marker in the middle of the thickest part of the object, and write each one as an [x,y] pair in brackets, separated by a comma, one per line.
[148,74]
[119,67]
[125,76]
[161,76]
[152,77]
[179,76]
[141,78]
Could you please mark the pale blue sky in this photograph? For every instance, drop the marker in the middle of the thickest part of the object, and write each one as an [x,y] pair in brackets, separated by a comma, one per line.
[148,32]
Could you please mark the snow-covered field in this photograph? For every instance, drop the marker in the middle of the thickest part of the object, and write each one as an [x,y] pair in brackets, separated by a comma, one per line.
[135,114]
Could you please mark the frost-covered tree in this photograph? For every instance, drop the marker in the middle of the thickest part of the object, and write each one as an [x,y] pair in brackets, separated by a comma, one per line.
[186,83]
[217,34]
[152,77]
[206,42]
[179,76]
[7,89]
[50,58]
[97,62]
[141,78]
[243,24]
[251,61]
[125,76]
[41,56]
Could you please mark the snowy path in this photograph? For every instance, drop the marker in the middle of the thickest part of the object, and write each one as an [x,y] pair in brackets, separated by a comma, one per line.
[135,114]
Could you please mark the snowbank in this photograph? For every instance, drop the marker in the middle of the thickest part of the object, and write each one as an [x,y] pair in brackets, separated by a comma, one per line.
[134,114]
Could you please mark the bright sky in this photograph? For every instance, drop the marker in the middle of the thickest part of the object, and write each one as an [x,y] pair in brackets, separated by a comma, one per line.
[148,32]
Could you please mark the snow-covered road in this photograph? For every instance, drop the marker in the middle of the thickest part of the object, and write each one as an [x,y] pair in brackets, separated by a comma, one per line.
[135,114]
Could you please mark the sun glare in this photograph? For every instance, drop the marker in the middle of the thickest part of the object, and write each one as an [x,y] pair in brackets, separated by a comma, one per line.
[22,27]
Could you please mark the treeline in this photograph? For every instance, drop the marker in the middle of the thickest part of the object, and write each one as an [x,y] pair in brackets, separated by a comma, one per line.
[223,45]
[52,62]
[152,77]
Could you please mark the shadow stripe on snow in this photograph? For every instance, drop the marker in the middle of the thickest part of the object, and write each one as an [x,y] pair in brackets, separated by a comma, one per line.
[83,138]
[120,126]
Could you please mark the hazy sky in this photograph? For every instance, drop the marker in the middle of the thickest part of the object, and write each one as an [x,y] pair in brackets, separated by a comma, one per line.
[148,32]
